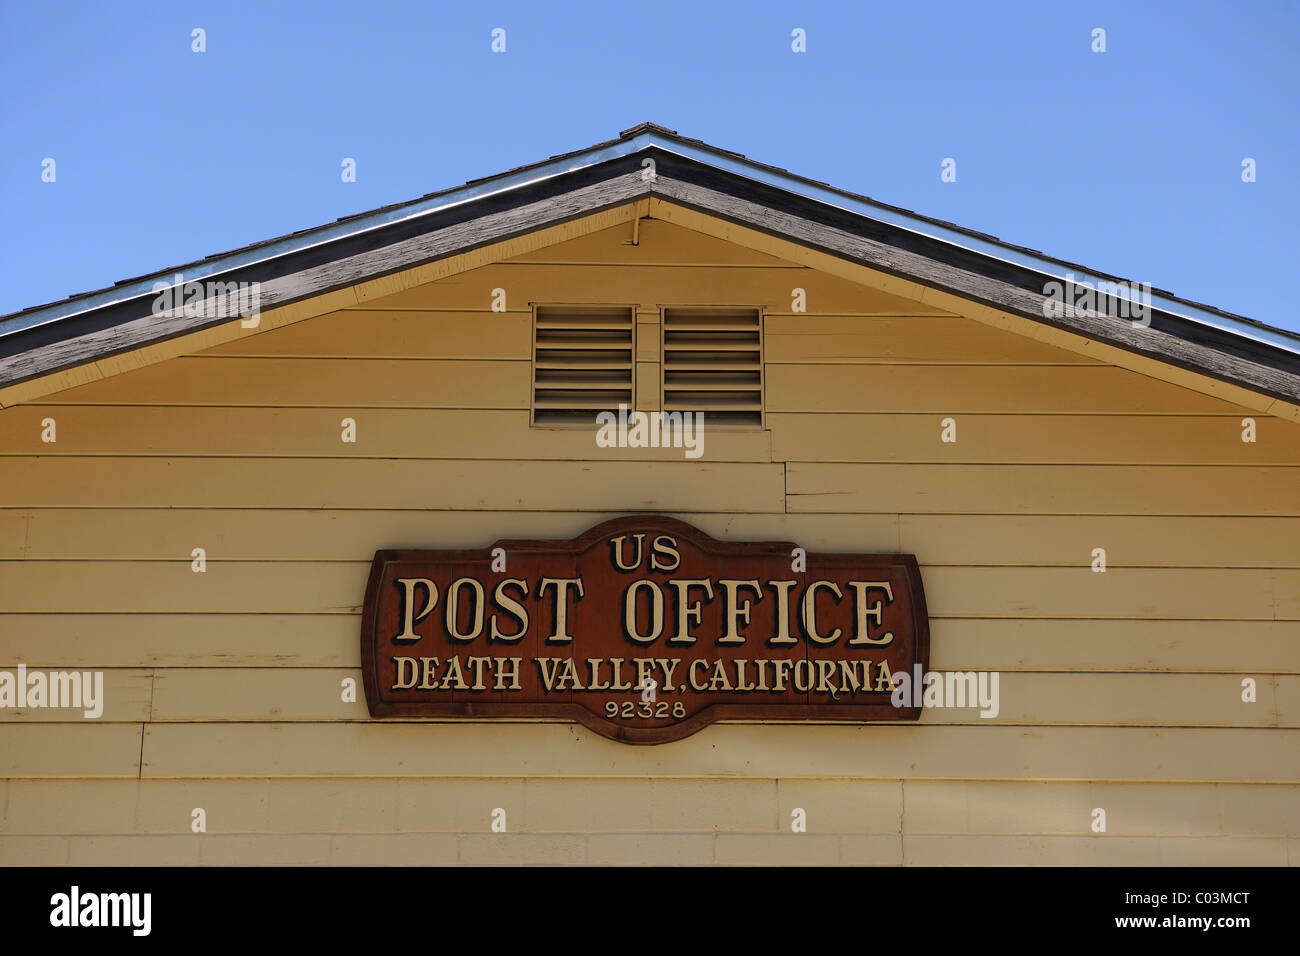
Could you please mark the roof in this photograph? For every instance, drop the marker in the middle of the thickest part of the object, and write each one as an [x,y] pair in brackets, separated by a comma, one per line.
[49,338]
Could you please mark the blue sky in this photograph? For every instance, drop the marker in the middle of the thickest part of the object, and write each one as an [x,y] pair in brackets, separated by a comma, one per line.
[1127,161]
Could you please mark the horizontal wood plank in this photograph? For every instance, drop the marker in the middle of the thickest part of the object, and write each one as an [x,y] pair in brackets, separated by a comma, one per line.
[1095,850]
[337,587]
[1244,648]
[683,486]
[340,534]
[1017,391]
[506,434]
[871,752]
[256,693]
[1129,541]
[373,806]
[1043,489]
[644,849]
[282,587]
[1080,592]
[319,382]
[354,535]
[60,640]
[988,389]
[1032,439]
[385,334]
[799,338]
[102,695]
[941,807]
[318,433]
[83,748]
[791,338]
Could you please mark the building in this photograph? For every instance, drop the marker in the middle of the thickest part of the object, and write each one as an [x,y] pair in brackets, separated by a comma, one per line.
[1099,482]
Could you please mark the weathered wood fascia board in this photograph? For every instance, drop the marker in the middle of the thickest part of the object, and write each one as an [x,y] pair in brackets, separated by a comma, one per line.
[146,328]
[1148,341]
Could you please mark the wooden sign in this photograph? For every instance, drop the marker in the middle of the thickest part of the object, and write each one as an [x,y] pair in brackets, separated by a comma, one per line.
[643,629]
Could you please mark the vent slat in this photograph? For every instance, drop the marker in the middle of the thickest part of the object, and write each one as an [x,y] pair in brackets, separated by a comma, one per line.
[582,345]
[593,401]
[711,387]
[709,345]
[619,380]
[730,364]
[695,401]
[572,417]
[595,365]
[581,322]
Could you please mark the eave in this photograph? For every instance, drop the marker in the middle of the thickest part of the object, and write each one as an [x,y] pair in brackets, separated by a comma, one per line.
[1007,279]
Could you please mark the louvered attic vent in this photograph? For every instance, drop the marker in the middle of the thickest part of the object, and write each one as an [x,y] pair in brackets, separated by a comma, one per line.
[713,363]
[582,363]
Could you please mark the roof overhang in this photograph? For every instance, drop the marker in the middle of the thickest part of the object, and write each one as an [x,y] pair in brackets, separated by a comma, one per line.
[687,173]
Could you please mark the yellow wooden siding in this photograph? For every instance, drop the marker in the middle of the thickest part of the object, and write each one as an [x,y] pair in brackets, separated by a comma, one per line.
[344,534]
[503,433]
[501,748]
[812,338]
[681,820]
[642,806]
[386,334]
[1119,690]
[1044,489]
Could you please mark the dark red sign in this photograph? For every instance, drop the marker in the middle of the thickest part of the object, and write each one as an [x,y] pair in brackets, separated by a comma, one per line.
[643,629]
